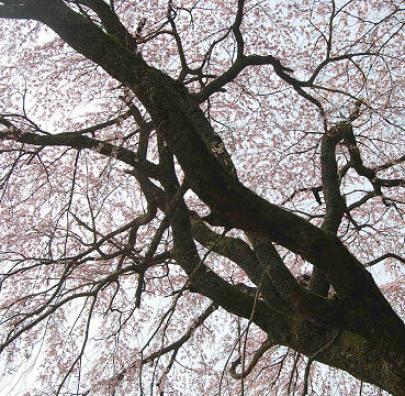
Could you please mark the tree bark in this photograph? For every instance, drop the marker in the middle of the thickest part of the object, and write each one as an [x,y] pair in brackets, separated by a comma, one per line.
[371,340]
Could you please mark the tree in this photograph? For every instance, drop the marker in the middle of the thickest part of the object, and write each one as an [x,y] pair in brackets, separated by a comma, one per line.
[208,182]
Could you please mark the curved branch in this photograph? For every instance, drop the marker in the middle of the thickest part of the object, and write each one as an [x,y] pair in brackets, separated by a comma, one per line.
[240,64]
[384,257]
[264,347]
[176,345]
[240,253]
[80,142]
[322,311]
[335,204]
[182,125]
[370,173]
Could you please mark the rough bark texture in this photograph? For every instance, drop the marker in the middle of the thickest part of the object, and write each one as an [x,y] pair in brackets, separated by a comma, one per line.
[371,338]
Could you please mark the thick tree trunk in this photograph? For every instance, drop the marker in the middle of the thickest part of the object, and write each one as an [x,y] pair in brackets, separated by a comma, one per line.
[350,352]
[371,340]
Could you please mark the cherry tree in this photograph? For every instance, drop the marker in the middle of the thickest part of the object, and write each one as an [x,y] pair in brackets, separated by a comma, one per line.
[202,197]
